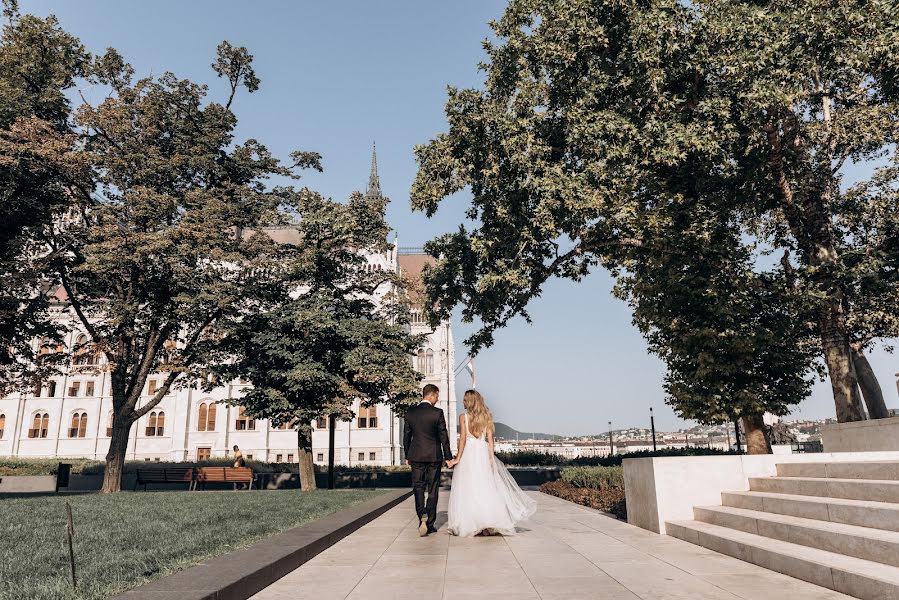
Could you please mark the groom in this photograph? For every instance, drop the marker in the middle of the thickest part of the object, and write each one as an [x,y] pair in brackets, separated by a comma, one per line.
[424,438]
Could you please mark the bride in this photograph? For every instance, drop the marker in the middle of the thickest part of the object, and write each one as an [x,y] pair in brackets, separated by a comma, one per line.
[484,498]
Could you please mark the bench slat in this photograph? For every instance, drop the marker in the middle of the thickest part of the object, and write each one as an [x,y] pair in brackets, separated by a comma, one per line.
[165,475]
[225,475]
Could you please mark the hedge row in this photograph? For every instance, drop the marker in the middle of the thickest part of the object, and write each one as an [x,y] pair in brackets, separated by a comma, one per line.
[81,466]
[531,458]
[594,477]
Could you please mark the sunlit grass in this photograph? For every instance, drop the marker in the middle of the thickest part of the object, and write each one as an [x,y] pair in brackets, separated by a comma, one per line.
[123,540]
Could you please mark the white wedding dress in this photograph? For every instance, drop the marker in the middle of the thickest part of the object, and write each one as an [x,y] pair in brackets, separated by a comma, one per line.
[483,495]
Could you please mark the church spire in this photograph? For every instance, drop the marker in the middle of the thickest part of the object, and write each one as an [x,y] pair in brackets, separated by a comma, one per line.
[374,182]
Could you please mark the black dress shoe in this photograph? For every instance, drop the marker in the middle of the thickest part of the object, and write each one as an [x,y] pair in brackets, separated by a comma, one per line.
[432,529]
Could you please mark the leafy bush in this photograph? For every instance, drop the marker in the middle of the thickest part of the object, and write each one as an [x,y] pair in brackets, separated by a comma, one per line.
[363,468]
[531,458]
[10,467]
[608,499]
[535,458]
[615,460]
[594,477]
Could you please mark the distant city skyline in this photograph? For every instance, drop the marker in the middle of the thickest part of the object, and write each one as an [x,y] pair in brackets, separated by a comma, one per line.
[337,77]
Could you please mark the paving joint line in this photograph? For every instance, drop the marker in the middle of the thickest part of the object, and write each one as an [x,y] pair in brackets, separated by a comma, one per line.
[649,553]
[381,555]
[520,566]
[578,552]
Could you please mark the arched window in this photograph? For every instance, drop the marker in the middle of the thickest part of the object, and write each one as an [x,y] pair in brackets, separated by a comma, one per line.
[40,425]
[79,425]
[156,424]
[426,361]
[206,417]
[2,424]
[321,423]
[243,422]
[84,352]
[368,417]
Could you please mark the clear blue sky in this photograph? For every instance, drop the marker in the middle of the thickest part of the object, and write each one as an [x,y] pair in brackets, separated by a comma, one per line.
[340,74]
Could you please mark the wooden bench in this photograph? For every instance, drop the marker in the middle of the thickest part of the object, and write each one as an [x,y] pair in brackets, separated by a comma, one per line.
[225,475]
[165,475]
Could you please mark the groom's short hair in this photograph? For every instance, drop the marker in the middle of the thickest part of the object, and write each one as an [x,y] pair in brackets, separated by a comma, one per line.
[429,390]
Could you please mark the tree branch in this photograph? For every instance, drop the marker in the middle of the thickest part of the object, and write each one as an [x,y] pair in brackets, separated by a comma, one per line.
[155,340]
[173,375]
[79,312]
[782,182]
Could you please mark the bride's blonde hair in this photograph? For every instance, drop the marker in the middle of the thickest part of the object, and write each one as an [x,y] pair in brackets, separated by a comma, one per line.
[479,417]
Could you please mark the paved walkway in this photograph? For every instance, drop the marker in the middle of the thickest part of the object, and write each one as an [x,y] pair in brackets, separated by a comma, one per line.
[564,552]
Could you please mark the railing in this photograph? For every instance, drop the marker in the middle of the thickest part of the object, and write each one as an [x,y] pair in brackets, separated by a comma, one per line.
[410,250]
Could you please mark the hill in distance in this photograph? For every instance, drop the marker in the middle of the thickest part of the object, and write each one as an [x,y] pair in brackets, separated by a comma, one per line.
[507,433]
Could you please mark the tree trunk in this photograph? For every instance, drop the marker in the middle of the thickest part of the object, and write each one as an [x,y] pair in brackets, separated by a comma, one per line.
[115,458]
[307,467]
[867,381]
[754,435]
[838,358]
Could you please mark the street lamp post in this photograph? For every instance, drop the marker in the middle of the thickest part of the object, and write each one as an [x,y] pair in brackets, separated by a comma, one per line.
[611,443]
[652,425]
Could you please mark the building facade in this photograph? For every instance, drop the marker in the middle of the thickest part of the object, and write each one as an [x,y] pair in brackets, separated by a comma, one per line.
[70,415]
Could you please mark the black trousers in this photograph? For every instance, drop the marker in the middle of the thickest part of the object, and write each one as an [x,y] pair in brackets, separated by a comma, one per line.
[426,480]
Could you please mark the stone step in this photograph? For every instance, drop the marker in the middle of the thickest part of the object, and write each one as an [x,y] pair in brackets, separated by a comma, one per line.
[878,515]
[867,543]
[851,489]
[882,470]
[852,576]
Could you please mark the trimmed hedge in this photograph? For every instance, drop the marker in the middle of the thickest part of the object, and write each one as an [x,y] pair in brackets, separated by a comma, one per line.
[616,459]
[601,488]
[594,477]
[533,458]
[10,467]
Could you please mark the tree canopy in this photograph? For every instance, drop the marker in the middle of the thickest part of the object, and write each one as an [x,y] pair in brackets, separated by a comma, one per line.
[337,336]
[39,62]
[151,253]
[607,132]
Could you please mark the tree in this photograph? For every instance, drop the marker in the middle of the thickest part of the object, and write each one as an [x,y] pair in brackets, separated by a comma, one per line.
[155,262]
[38,63]
[336,337]
[735,342]
[603,122]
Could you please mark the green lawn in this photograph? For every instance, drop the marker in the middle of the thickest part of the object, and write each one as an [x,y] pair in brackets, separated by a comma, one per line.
[123,540]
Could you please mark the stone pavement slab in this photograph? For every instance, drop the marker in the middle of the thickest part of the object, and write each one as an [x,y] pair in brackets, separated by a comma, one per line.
[565,552]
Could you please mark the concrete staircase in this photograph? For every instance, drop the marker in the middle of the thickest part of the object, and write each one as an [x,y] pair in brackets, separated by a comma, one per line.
[832,524]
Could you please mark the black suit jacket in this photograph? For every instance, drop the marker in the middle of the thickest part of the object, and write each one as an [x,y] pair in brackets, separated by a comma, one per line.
[425,435]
